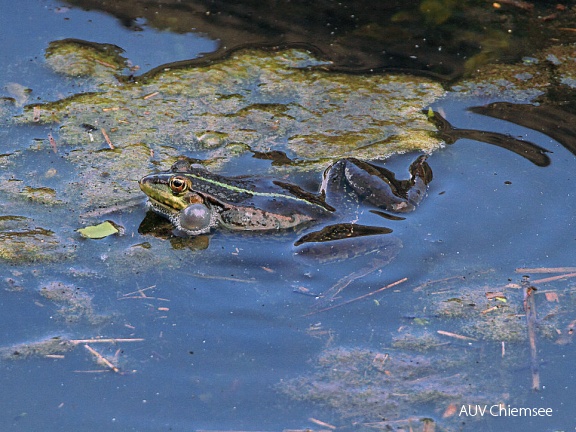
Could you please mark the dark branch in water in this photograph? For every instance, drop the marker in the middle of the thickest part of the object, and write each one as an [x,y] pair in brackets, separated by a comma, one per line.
[526,149]
[557,123]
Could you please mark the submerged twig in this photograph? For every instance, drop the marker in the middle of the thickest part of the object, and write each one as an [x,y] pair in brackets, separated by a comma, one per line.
[225,278]
[107,138]
[100,359]
[393,284]
[546,270]
[527,6]
[455,335]
[150,95]
[530,309]
[569,272]
[554,278]
[321,423]
[108,340]
[139,291]
[52,142]
[103,63]
[337,288]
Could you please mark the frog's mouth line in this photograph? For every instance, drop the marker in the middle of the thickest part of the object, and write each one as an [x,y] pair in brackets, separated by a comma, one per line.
[161,209]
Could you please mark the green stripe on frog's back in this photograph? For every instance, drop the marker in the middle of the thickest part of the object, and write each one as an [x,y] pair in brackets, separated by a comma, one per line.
[237,190]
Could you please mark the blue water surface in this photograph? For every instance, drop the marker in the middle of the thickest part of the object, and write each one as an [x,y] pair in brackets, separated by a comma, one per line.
[223,331]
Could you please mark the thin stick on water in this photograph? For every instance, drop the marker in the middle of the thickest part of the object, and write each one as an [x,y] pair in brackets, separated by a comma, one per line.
[546,270]
[107,340]
[393,284]
[107,138]
[100,359]
[530,309]
[554,278]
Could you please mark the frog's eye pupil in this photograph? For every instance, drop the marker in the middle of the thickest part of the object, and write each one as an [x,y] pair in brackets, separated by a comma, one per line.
[177,184]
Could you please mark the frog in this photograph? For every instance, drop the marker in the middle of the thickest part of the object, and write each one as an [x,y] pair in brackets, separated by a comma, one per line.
[198,201]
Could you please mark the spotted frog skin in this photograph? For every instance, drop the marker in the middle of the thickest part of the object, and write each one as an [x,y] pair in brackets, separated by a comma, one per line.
[197,201]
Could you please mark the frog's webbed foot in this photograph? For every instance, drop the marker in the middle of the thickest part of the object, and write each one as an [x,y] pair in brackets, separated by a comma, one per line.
[378,185]
[420,177]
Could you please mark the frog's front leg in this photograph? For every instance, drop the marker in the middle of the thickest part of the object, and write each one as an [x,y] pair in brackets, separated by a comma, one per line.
[378,185]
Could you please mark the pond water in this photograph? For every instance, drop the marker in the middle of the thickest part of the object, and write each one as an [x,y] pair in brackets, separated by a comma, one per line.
[234,336]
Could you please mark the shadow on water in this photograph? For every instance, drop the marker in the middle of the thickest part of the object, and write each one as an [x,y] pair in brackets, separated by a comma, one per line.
[148,331]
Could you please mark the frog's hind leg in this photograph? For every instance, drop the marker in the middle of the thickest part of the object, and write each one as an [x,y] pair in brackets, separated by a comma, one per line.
[378,185]
[335,188]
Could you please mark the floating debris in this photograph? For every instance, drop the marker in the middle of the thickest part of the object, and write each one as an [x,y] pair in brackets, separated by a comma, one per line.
[50,346]
[99,231]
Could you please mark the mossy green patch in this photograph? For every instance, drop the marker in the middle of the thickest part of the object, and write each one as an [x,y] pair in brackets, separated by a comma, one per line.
[44,347]
[382,388]
[78,58]
[522,81]
[261,100]
[22,241]
[18,189]
[253,101]
[74,303]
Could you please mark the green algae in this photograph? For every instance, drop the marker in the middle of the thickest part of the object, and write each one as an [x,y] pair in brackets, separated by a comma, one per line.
[22,241]
[18,189]
[522,81]
[45,347]
[44,195]
[428,362]
[78,58]
[259,100]
[254,101]
[470,311]
[74,304]
[380,388]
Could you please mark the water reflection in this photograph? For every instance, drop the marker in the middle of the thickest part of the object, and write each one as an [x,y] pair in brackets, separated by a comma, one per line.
[556,121]
[438,38]
[534,153]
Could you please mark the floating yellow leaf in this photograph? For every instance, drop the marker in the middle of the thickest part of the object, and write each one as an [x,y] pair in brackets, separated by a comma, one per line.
[99,231]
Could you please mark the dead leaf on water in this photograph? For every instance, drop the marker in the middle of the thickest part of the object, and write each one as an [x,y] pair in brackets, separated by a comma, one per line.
[99,231]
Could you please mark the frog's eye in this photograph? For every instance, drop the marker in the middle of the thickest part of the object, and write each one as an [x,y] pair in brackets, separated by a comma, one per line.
[178,184]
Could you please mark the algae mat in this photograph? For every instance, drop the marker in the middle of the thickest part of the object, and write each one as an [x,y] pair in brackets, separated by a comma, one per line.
[254,101]
[120,128]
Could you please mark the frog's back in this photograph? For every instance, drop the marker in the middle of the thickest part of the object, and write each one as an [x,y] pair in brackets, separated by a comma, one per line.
[259,203]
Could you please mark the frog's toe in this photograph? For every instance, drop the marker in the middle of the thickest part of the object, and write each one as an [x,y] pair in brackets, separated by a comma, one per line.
[420,169]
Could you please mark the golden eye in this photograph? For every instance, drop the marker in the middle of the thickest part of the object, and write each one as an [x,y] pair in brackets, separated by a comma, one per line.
[178,184]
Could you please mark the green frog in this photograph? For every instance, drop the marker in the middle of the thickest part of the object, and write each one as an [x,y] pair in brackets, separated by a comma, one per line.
[196,200]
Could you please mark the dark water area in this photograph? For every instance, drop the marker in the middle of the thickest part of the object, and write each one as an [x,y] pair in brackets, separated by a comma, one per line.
[441,39]
[226,335]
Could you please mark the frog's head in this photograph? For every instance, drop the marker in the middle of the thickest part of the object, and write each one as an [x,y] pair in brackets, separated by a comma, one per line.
[171,195]
[169,191]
